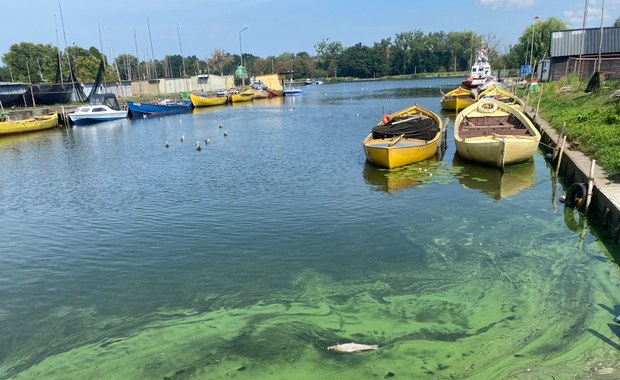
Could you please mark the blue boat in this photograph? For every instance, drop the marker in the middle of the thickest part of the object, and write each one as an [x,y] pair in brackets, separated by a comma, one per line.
[164,107]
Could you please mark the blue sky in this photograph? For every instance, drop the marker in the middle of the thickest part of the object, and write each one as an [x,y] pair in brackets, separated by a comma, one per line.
[274,26]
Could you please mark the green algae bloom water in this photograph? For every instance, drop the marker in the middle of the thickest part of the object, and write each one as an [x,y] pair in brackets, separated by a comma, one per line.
[123,259]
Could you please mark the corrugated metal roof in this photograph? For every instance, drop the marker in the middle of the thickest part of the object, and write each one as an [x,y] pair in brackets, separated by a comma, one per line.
[568,42]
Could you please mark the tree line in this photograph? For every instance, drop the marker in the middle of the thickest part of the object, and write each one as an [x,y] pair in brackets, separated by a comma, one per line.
[407,53]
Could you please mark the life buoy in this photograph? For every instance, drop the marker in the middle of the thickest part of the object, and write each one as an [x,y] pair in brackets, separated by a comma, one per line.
[486,106]
[576,196]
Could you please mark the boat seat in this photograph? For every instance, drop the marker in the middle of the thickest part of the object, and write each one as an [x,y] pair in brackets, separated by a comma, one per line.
[492,129]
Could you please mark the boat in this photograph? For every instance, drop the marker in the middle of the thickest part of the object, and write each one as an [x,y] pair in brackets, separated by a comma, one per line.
[36,123]
[260,94]
[273,93]
[495,183]
[503,95]
[12,93]
[308,82]
[480,71]
[493,133]
[163,107]
[245,96]
[50,93]
[404,137]
[290,90]
[457,99]
[205,100]
[101,107]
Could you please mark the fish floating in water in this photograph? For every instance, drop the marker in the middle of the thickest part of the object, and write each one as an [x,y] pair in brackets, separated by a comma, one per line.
[353,347]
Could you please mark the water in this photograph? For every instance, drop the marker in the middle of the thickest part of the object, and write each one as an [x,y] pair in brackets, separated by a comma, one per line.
[121,258]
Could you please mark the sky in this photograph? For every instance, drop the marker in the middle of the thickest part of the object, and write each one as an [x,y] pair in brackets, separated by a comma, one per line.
[198,27]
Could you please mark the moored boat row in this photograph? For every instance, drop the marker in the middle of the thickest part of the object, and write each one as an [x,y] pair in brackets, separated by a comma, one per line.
[490,129]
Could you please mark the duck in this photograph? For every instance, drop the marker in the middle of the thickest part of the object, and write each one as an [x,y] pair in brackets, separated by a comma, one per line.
[207,141]
[225,133]
[182,138]
[198,145]
[167,144]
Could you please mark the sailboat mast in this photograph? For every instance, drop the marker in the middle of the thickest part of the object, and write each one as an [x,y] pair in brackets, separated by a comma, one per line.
[182,59]
[103,59]
[151,42]
[135,41]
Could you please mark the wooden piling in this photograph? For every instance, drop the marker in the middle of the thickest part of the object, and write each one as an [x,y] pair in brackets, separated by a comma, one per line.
[557,169]
[590,185]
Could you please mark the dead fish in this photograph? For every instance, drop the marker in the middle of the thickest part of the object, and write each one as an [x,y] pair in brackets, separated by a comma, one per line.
[353,347]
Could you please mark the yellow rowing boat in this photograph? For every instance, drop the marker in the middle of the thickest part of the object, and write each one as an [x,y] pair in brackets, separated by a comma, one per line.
[37,123]
[404,137]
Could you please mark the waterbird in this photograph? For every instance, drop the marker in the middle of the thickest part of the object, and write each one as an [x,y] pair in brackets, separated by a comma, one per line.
[198,145]
[220,125]
[207,141]
[167,144]
[182,138]
[225,133]
[144,116]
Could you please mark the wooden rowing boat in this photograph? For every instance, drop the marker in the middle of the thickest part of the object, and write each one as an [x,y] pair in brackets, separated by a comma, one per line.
[493,133]
[457,99]
[404,137]
[245,96]
[207,101]
[37,123]
[502,95]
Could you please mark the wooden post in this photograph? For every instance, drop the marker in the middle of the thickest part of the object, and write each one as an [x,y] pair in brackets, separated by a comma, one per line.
[557,169]
[557,143]
[590,186]
[538,103]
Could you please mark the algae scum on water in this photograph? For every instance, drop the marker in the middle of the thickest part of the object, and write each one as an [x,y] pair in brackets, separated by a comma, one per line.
[471,303]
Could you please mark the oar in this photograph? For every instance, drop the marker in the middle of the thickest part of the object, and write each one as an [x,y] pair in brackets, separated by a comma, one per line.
[397,139]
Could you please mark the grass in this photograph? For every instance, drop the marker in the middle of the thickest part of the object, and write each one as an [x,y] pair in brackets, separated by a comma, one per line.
[591,120]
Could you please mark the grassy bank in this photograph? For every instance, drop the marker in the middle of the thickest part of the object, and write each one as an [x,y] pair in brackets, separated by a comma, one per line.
[591,120]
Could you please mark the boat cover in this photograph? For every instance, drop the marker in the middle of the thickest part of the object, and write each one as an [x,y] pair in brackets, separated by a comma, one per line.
[415,127]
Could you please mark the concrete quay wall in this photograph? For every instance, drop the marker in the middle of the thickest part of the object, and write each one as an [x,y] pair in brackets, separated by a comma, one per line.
[575,168]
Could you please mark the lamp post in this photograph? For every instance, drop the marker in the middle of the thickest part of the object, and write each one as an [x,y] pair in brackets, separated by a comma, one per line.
[241,56]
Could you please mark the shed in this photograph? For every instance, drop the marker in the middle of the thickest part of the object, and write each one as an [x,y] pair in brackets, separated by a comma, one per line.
[577,51]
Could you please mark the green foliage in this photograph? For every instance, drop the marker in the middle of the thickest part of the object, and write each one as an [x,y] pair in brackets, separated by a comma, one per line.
[540,34]
[591,121]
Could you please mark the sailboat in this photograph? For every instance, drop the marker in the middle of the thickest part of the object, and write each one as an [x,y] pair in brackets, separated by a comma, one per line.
[290,90]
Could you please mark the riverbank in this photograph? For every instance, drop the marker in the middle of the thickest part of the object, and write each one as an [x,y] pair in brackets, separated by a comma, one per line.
[587,121]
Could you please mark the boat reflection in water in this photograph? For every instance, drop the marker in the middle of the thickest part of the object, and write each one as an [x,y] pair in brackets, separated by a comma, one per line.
[404,177]
[492,181]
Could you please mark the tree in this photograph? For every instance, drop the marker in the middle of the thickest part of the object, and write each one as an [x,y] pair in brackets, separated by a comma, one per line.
[460,46]
[356,61]
[30,62]
[128,66]
[327,54]
[219,60]
[382,57]
[617,23]
[540,33]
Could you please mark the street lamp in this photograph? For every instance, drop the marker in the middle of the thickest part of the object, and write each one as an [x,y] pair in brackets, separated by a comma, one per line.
[241,55]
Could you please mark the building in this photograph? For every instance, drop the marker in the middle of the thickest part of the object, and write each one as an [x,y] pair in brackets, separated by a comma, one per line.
[578,51]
